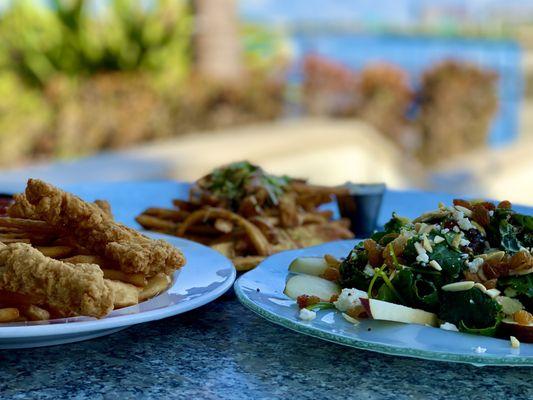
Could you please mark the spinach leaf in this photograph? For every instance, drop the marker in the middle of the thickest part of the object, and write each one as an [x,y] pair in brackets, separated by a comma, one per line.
[426,293]
[526,221]
[386,294]
[449,259]
[470,309]
[396,223]
[509,240]
[416,291]
[521,284]
[351,270]
[489,331]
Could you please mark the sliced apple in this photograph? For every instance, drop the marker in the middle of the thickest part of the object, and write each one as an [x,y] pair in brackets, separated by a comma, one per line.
[309,265]
[298,285]
[524,333]
[382,310]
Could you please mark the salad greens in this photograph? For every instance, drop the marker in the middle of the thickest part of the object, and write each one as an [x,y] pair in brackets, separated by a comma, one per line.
[421,264]
[235,181]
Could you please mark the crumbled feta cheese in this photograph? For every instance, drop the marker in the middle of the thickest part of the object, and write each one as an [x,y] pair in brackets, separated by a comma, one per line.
[307,315]
[348,299]
[435,265]
[368,270]
[438,239]
[463,222]
[473,266]
[464,242]
[515,344]
[479,350]
[447,326]
[445,230]
[456,229]
[491,213]
[422,255]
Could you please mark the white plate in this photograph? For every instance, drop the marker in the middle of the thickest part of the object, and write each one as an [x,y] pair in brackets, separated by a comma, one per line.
[206,276]
[261,290]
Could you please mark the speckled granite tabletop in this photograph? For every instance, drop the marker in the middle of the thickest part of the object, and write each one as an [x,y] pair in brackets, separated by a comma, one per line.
[224,351]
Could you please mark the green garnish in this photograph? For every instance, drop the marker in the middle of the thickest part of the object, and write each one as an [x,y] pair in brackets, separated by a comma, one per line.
[237,180]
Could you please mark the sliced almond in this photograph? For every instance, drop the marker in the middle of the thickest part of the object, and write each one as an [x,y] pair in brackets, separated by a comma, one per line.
[464,210]
[515,343]
[492,293]
[435,265]
[427,245]
[481,287]
[458,286]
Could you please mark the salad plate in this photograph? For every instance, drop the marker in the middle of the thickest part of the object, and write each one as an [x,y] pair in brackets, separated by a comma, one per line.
[189,290]
[262,291]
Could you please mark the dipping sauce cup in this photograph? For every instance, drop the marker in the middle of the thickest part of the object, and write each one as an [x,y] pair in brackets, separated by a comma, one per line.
[361,206]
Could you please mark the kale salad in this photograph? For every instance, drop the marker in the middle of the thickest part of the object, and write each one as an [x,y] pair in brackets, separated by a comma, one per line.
[465,267]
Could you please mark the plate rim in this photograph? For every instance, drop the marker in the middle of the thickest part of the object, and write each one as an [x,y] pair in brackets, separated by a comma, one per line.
[309,330]
[123,321]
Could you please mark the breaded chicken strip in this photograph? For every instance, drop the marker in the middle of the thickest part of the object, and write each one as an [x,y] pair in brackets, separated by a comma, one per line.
[96,230]
[67,289]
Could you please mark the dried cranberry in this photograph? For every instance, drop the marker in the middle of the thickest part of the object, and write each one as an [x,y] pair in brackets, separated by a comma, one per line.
[477,241]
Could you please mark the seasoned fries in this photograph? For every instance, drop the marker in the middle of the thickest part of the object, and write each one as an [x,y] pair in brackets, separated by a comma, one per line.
[246,214]
[48,272]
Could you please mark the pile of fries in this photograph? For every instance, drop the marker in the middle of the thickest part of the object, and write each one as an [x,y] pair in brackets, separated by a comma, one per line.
[125,289]
[247,214]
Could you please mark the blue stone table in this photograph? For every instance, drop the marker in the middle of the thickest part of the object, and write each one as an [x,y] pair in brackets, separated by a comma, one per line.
[224,351]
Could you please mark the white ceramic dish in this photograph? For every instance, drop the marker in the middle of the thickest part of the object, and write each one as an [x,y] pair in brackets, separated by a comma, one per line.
[205,277]
[261,290]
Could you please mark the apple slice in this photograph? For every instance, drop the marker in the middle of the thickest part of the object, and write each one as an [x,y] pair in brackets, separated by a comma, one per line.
[383,310]
[298,285]
[309,265]
[524,333]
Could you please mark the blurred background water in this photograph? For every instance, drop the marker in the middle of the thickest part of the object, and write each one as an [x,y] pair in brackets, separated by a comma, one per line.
[434,95]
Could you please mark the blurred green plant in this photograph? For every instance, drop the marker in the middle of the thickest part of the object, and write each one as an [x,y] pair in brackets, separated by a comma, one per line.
[76,38]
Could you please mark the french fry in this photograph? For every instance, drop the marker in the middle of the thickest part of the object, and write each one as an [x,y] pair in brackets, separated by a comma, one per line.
[26,225]
[258,240]
[134,279]
[246,263]
[85,259]
[155,285]
[35,313]
[203,230]
[124,294]
[165,213]
[14,240]
[183,204]
[9,314]
[13,235]
[156,223]
[55,251]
